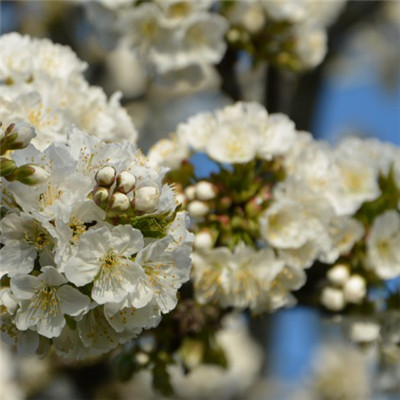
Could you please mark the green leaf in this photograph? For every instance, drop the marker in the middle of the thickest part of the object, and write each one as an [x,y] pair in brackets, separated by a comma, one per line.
[153,226]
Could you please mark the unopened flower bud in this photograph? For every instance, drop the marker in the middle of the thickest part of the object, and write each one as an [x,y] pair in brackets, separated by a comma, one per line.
[332,299]
[25,133]
[190,192]
[105,176]
[203,240]
[205,191]
[31,174]
[364,332]
[180,198]
[100,195]
[339,274]
[197,209]
[125,182]
[7,167]
[17,136]
[142,358]
[119,202]
[355,289]
[146,198]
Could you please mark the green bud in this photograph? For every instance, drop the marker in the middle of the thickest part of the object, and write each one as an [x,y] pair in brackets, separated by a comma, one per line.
[7,167]
[31,174]
[17,136]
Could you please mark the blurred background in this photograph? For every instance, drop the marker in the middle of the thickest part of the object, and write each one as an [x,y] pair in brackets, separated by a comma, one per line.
[354,91]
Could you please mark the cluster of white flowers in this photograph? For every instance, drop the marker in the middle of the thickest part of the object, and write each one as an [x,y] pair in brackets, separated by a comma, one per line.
[82,276]
[305,25]
[235,134]
[309,215]
[339,372]
[43,83]
[168,35]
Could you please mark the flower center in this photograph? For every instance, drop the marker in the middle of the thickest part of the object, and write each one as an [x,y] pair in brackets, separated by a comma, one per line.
[77,227]
[38,237]
[46,301]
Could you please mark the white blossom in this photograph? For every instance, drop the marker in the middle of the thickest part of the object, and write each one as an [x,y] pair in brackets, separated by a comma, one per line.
[383,245]
[44,301]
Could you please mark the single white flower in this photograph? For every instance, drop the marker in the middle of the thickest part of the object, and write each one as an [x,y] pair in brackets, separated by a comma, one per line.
[45,300]
[233,142]
[104,256]
[24,239]
[383,245]
[166,267]
[277,136]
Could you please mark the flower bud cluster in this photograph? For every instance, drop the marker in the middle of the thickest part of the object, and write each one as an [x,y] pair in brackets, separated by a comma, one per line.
[83,269]
[18,136]
[343,288]
[118,193]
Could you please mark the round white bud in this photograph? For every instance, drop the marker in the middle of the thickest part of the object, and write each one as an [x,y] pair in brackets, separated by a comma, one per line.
[146,198]
[190,192]
[332,299]
[180,198]
[125,182]
[355,289]
[142,358]
[100,195]
[32,174]
[339,274]
[203,240]
[105,176]
[119,202]
[205,191]
[25,133]
[364,332]
[197,209]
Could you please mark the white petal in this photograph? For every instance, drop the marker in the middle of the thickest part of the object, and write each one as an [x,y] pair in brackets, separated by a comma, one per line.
[51,326]
[28,342]
[16,258]
[24,286]
[26,316]
[73,302]
[80,272]
[51,276]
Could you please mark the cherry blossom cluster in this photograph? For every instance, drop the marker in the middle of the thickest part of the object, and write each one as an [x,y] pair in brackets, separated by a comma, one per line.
[281,201]
[289,34]
[169,36]
[43,83]
[85,275]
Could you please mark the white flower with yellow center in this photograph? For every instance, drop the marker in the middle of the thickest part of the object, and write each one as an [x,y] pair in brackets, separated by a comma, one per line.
[166,268]
[233,142]
[105,257]
[45,299]
[277,136]
[24,238]
[356,183]
[383,245]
